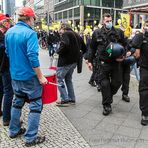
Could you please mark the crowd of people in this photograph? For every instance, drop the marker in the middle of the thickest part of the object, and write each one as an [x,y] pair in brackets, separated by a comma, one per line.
[108,53]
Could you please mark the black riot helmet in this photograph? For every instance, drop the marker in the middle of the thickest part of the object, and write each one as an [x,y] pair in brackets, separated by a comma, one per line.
[115,50]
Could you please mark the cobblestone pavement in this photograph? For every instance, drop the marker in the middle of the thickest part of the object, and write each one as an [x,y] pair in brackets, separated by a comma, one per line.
[59,132]
[121,129]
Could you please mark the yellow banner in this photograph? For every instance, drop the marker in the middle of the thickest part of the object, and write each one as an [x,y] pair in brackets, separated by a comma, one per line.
[125,20]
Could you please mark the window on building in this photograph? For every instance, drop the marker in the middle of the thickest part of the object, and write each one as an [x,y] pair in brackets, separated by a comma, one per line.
[39,4]
[87,2]
[97,13]
[70,13]
[95,2]
[65,14]
[92,13]
[60,15]
[56,16]
[77,2]
[118,3]
[77,12]
[106,11]
[108,3]
[118,14]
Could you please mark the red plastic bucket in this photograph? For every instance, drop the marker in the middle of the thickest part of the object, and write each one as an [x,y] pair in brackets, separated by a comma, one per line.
[49,93]
[53,68]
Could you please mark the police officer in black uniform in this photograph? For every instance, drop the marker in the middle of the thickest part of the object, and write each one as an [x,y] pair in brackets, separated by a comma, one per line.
[140,42]
[110,75]
[126,73]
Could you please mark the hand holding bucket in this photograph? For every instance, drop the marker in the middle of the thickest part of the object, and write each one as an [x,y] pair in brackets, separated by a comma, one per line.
[49,93]
[55,84]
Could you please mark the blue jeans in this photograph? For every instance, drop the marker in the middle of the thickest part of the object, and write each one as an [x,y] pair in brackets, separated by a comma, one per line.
[136,71]
[56,46]
[32,90]
[51,50]
[8,95]
[65,74]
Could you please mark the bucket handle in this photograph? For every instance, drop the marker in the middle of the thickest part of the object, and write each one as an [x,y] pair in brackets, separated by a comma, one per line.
[55,84]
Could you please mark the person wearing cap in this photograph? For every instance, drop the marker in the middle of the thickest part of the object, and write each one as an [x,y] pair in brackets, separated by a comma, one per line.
[27,79]
[6,91]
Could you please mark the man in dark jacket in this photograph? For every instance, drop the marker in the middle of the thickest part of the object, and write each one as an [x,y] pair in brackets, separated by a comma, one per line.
[110,73]
[4,71]
[140,42]
[69,53]
[50,40]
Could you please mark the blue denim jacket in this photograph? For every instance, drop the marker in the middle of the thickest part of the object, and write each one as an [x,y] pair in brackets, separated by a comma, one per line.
[22,49]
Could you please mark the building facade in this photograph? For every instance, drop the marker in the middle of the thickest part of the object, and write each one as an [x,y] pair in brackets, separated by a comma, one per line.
[30,3]
[138,10]
[86,11]
[49,9]
[1,6]
[39,8]
[129,4]
[10,7]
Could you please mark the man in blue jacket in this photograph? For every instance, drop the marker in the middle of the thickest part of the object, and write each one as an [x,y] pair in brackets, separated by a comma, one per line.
[22,50]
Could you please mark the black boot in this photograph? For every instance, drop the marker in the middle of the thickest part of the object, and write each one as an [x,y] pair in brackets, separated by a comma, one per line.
[126,98]
[92,83]
[107,110]
[37,141]
[144,120]
[98,88]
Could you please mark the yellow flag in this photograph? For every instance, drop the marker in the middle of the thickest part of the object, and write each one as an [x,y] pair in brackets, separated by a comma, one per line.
[128,31]
[125,24]
[125,20]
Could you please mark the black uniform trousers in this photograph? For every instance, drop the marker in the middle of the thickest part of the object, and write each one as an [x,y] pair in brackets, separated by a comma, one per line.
[110,78]
[95,70]
[125,78]
[143,91]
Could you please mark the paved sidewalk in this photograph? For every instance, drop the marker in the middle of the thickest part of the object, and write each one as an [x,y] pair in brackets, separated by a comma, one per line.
[121,129]
[59,131]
